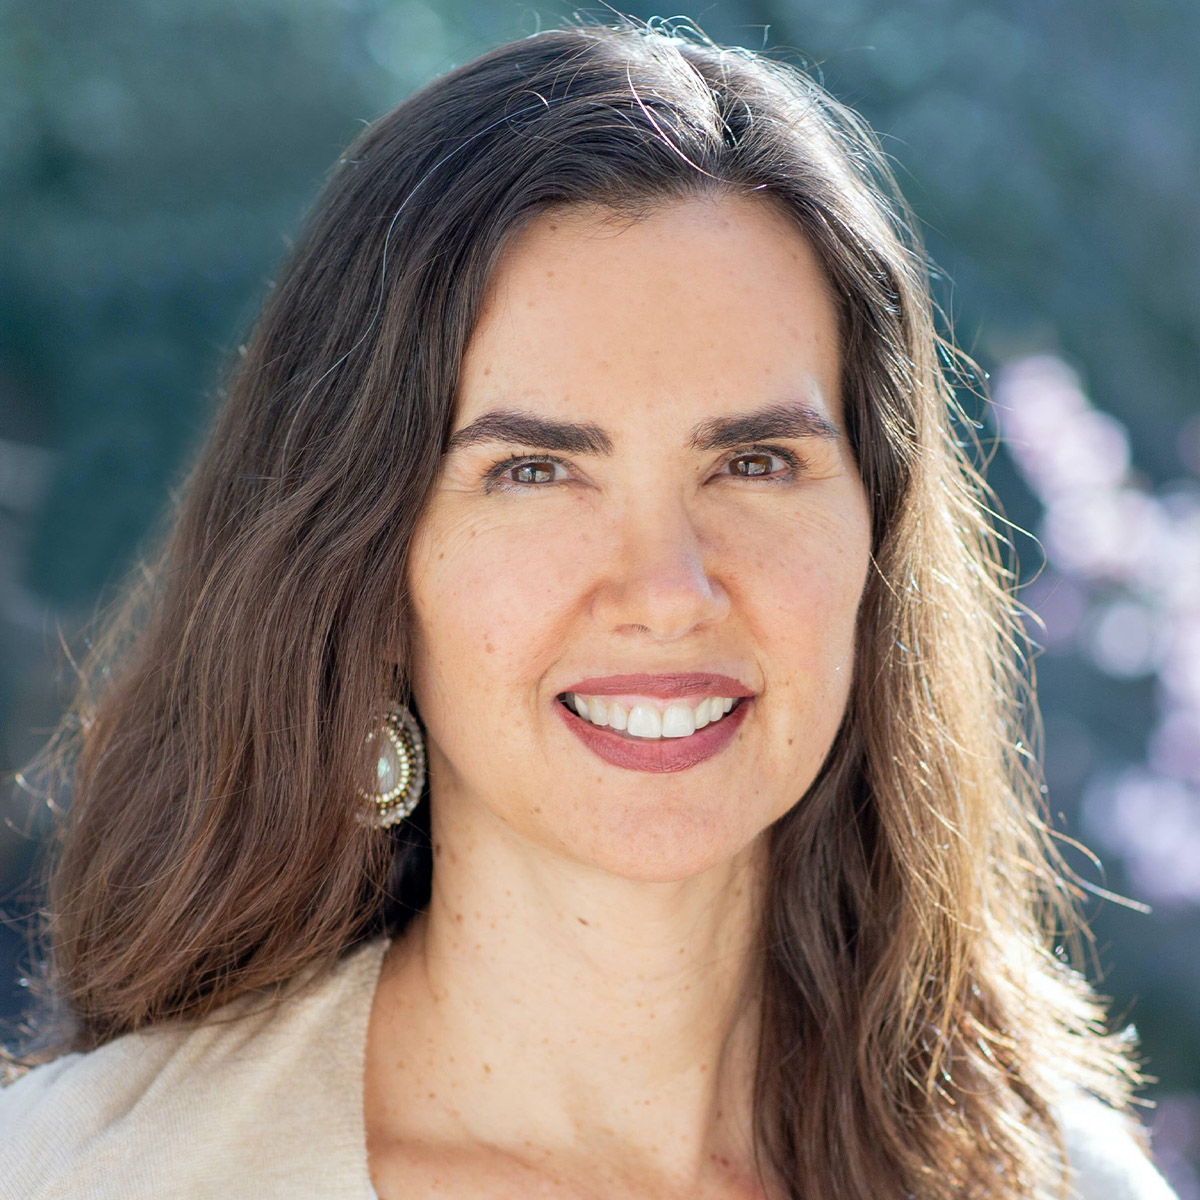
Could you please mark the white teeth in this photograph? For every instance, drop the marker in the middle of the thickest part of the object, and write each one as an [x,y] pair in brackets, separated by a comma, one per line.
[646,720]
[678,720]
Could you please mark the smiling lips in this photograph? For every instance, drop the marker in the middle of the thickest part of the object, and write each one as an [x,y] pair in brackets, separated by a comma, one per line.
[655,723]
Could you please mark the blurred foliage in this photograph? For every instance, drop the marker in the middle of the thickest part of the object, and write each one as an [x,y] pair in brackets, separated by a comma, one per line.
[155,156]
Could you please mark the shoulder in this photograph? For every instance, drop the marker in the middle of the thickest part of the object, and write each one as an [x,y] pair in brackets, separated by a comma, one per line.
[242,1104]
[1107,1154]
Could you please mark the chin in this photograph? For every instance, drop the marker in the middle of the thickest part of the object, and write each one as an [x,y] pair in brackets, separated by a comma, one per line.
[661,847]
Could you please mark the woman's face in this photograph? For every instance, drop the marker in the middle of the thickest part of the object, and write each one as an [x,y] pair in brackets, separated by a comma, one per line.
[649,501]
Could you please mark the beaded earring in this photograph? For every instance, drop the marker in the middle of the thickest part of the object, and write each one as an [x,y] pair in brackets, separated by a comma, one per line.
[399,769]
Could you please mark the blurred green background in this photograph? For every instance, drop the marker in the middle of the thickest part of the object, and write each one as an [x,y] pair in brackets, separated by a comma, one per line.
[155,157]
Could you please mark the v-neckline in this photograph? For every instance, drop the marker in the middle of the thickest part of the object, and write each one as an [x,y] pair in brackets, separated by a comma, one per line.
[372,970]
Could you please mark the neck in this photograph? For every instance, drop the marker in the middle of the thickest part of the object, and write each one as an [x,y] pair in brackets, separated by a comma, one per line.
[599,1001]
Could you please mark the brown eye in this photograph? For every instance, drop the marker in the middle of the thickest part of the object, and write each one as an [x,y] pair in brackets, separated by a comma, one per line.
[532,472]
[523,474]
[751,465]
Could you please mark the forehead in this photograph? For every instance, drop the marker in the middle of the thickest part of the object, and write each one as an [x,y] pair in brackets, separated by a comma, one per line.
[713,301]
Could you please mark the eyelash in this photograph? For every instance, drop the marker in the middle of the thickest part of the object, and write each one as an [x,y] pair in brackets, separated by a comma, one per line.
[494,477]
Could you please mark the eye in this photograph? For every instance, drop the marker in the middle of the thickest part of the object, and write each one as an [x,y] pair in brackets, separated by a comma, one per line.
[524,472]
[775,463]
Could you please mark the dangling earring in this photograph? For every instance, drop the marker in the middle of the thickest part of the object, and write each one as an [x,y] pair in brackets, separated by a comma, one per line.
[399,769]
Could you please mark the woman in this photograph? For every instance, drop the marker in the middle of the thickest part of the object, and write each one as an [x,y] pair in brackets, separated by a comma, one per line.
[595,447]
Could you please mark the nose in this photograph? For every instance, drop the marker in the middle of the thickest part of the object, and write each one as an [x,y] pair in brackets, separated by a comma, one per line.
[656,580]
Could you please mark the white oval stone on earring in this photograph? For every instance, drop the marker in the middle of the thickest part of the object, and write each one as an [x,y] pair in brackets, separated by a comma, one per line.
[391,772]
[399,769]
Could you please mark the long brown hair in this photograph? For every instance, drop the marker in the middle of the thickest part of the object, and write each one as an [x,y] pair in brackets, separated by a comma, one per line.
[917,1030]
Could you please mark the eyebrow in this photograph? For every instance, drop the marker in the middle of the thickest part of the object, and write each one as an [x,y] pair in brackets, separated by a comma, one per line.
[794,419]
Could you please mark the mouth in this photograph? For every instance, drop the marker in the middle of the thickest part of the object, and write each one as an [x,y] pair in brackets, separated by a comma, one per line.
[658,737]
[567,700]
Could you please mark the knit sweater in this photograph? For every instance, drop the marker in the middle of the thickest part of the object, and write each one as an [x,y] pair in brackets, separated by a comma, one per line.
[270,1105]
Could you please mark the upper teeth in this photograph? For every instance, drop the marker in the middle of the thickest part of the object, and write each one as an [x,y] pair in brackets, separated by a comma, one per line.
[644,719]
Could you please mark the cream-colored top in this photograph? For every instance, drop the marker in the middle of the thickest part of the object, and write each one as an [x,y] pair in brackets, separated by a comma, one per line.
[270,1107]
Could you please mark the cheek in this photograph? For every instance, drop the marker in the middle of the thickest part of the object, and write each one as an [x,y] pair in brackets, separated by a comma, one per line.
[489,600]
[801,591]
[803,577]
